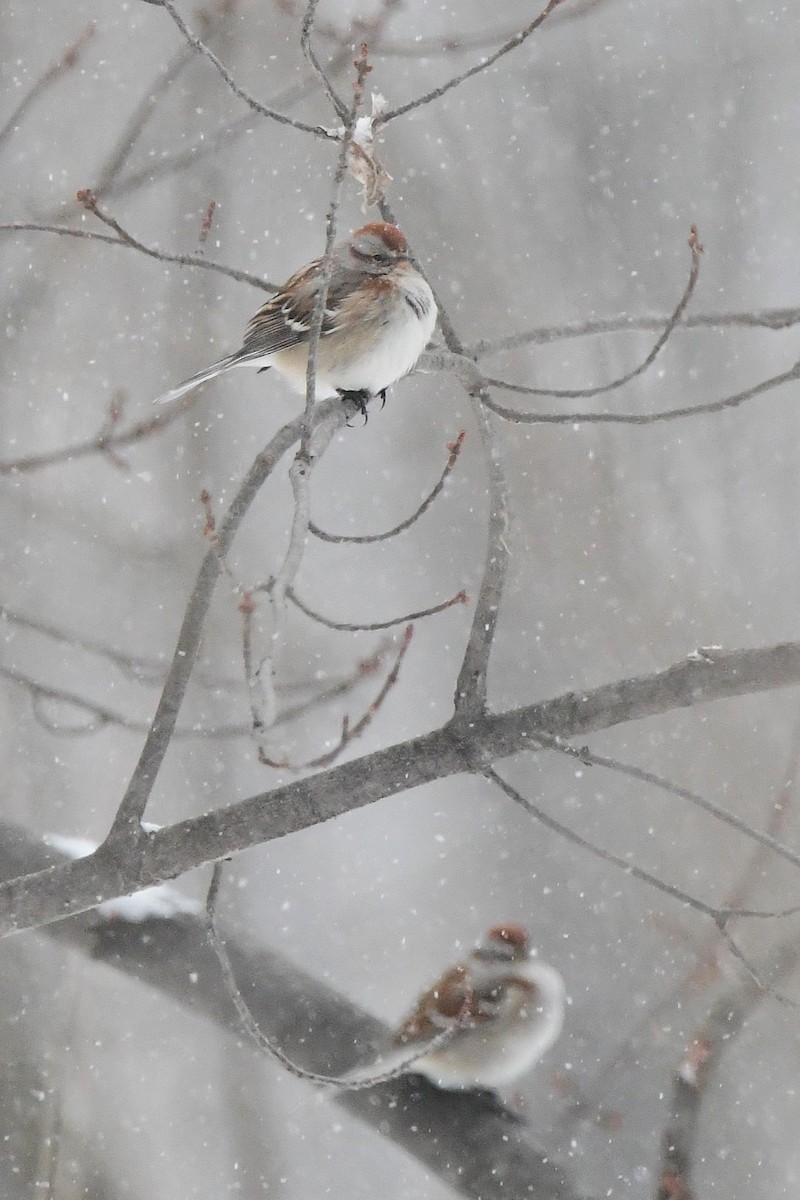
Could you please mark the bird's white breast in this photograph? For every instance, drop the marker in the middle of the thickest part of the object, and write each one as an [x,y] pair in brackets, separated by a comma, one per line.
[403,336]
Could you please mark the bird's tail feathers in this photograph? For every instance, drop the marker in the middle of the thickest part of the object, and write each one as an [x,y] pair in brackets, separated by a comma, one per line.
[188,385]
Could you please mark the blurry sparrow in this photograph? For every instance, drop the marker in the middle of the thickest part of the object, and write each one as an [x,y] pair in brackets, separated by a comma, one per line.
[506,1009]
[379,316]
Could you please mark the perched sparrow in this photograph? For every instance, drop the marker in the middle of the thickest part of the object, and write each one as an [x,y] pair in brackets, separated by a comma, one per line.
[379,316]
[506,1009]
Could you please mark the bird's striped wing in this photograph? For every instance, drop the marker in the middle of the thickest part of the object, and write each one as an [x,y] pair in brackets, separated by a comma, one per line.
[456,998]
[285,320]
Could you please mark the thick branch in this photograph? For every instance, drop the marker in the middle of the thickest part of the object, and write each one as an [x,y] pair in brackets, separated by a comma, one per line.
[117,868]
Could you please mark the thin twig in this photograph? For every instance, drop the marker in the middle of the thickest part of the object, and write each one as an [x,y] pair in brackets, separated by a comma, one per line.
[705,967]
[224,136]
[263,707]
[588,757]
[89,202]
[264,110]
[351,732]
[476,69]
[470,691]
[721,916]
[455,43]
[715,1037]
[753,972]
[339,107]
[362,670]
[266,671]
[141,114]
[68,60]
[100,715]
[269,1046]
[137,667]
[670,414]
[366,538]
[768,318]
[352,627]
[104,442]
[647,361]
[125,239]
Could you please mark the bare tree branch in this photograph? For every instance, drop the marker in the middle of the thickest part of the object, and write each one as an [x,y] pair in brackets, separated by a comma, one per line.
[137,794]
[588,757]
[670,414]
[339,107]
[123,865]
[374,626]
[68,60]
[125,239]
[366,538]
[105,442]
[672,322]
[466,1140]
[720,916]
[768,318]
[256,105]
[476,69]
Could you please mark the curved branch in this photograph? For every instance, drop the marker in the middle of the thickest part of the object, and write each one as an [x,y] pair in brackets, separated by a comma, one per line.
[470,690]
[339,107]
[476,68]
[672,321]
[669,414]
[496,1156]
[374,626]
[340,539]
[235,87]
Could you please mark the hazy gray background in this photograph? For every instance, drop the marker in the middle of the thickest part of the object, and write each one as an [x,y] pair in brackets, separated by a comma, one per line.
[559,185]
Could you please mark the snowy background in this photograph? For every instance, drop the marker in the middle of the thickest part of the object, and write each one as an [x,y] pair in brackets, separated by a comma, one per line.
[558,186]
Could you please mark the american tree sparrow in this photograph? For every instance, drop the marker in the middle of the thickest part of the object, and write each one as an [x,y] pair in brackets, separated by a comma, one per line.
[379,316]
[506,1009]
